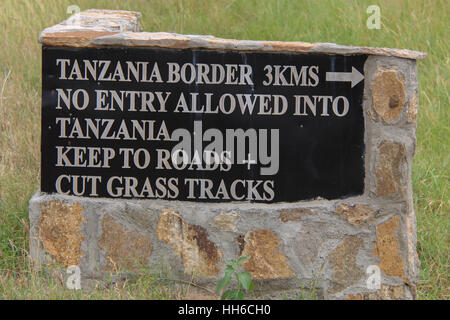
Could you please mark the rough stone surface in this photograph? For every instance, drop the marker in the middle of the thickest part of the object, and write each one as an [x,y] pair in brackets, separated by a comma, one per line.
[82,27]
[412,108]
[73,39]
[343,259]
[413,259]
[125,249]
[198,254]
[226,221]
[388,94]
[265,259]
[282,255]
[391,156]
[178,41]
[126,22]
[387,248]
[60,231]
[296,214]
[388,293]
[308,246]
[356,214]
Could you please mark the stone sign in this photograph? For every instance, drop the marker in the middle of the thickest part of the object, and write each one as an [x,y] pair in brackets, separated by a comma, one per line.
[180,152]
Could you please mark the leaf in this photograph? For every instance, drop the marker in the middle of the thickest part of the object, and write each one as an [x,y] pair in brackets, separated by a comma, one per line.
[224,281]
[229,268]
[229,272]
[245,279]
[240,295]
[228,295]
[221,284]
[251,286]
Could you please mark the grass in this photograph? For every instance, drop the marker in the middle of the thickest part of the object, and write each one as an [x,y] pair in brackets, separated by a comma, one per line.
[51,285]
[418,25]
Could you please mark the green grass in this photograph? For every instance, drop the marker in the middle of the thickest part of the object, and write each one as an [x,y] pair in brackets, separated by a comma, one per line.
[417,25]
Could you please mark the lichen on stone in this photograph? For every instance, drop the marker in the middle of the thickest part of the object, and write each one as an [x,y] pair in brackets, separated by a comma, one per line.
[412,108]
[388,293]
[190,242]
[388,168]
[343,261]
[226,221]
[294,214]
[356,214]
[59,231]
[387,248]
[265,261]
[388,94]
[124,249]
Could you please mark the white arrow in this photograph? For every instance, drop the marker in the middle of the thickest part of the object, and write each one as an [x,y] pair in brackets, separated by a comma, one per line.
[355,76]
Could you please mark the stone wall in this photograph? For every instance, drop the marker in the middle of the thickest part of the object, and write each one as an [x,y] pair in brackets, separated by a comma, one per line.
[328,243]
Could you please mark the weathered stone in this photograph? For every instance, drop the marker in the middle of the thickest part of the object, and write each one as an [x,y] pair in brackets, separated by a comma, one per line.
[226,221]
[240,240]
[387,248]
[295,214]
[391,156]
[308,241]
[190,242]
[356,214]
[82,27]
[59,231]
[144,39]
[125,249]
[412,108]
[388,293]
[179,41]
[413,259]
[126,22]
[388,94]
[73,39]
[265,259]
[343,261]
[384,293]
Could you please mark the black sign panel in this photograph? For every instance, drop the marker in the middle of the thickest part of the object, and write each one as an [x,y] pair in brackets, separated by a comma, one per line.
[201,125]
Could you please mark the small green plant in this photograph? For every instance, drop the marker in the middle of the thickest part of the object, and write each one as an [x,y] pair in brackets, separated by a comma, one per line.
[244,280]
